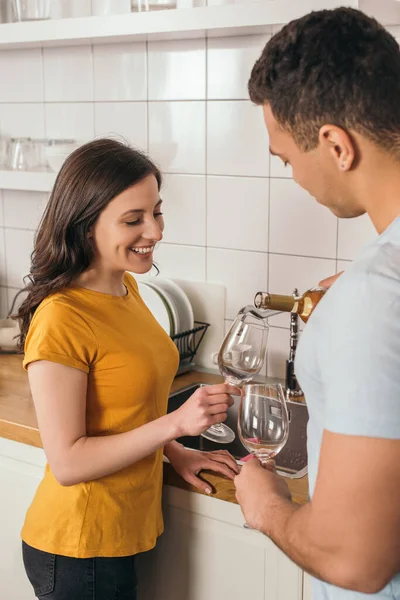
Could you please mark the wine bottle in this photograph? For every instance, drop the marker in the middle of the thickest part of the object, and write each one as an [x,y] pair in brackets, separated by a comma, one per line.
[302,305]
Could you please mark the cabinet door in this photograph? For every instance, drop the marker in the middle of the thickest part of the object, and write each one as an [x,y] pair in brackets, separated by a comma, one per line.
[199,557]
[19,481]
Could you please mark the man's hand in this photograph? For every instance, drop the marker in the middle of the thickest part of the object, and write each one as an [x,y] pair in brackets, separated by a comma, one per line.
[330,280]
[257,490]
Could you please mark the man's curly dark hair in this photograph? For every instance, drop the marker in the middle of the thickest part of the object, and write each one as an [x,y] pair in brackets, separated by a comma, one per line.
[337,67]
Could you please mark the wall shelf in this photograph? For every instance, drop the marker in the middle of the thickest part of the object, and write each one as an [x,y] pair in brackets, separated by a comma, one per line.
[211,21]
[27,180]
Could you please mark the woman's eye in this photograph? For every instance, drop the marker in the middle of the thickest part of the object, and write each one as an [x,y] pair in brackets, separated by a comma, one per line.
[159,214]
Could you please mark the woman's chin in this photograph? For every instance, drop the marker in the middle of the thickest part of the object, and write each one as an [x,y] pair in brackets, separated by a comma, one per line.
[140,269]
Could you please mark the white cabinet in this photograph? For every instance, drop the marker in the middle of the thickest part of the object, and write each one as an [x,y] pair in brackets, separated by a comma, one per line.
[206,552]
[21,468]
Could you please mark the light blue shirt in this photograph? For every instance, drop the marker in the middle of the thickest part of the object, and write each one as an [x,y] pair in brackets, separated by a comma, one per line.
[348,365]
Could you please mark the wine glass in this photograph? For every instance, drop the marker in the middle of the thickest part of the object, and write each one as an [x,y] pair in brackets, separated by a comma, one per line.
[263,421]
[240,358]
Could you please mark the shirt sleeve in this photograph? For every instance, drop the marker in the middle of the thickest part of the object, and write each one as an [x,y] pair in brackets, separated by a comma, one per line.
[58,333]
[360,358]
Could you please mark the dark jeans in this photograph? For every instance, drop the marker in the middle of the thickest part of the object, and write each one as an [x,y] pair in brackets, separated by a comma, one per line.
[55,577]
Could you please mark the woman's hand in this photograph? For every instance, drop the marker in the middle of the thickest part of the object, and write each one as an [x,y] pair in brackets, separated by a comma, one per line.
[206,407]
[188,464]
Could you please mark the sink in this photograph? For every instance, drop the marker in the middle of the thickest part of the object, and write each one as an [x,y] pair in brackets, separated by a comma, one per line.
[291,461]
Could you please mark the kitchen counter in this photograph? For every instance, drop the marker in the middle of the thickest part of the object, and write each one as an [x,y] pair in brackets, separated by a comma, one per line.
[18,422]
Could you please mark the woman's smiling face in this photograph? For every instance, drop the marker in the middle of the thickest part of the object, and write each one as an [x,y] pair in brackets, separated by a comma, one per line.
[128,229]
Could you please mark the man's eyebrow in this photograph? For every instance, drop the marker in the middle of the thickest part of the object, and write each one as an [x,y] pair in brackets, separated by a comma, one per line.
[139,210]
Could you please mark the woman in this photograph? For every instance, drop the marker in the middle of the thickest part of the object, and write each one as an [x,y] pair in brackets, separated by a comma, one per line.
[100,369]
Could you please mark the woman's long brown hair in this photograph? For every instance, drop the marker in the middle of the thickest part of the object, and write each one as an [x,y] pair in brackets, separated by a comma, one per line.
[89,179]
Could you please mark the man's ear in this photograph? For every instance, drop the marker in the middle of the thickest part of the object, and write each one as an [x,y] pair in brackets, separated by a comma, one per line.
[339,145]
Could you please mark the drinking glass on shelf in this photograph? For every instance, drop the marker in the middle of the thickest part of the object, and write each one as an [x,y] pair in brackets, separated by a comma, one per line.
[263,421]
[31,10]
[240,358]
[21,154]
[147,5]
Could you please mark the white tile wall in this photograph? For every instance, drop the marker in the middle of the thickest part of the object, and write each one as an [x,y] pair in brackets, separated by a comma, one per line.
[184,209]
[19,245]
[181,262]
[122,120]
[243,273]
[68,74]
[230,60]
[70,120]
[23,210]
[233,214]
[237,142]
[177,70]
[120,72]
[237,213]
[21,74]
[289,272]
[298,224]
[22,120]
[177,136]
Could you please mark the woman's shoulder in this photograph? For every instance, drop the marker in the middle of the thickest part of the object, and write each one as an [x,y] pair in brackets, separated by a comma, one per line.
[60,305]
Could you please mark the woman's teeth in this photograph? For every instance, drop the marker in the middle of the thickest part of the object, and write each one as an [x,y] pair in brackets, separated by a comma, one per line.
[142,250]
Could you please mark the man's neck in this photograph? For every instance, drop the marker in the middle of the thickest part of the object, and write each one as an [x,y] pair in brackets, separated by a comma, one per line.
[379,191]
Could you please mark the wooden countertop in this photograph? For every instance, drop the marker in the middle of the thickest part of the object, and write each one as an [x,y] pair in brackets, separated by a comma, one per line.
[18,422]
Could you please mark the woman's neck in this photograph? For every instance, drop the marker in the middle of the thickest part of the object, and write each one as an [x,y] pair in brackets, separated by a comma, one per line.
[102,281]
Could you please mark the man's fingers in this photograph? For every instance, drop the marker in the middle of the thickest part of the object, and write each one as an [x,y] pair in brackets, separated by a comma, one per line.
[330,280]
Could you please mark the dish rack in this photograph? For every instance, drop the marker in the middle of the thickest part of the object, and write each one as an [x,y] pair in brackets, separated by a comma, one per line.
[188,343]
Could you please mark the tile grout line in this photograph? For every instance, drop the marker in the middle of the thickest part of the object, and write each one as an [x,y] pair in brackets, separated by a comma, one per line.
[172,100]
[44,92]
[147,98]
[206,159]
[337,244]
[93,85]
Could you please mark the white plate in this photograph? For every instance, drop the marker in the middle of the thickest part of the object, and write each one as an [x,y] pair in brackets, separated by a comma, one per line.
[166,297]
[180,300]
[157,306]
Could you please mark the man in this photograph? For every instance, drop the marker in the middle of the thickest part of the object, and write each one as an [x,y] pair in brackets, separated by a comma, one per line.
[329,85]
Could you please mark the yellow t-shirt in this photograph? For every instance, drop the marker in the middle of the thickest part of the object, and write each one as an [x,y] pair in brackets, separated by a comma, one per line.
[131,363]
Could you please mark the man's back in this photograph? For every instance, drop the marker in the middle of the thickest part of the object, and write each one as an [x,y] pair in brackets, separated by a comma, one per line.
[348,365]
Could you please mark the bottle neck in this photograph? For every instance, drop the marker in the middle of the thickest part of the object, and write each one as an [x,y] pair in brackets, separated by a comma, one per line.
[280,302]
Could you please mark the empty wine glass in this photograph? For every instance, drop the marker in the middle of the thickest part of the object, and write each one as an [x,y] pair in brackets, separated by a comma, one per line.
[240,358]
[263,421]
